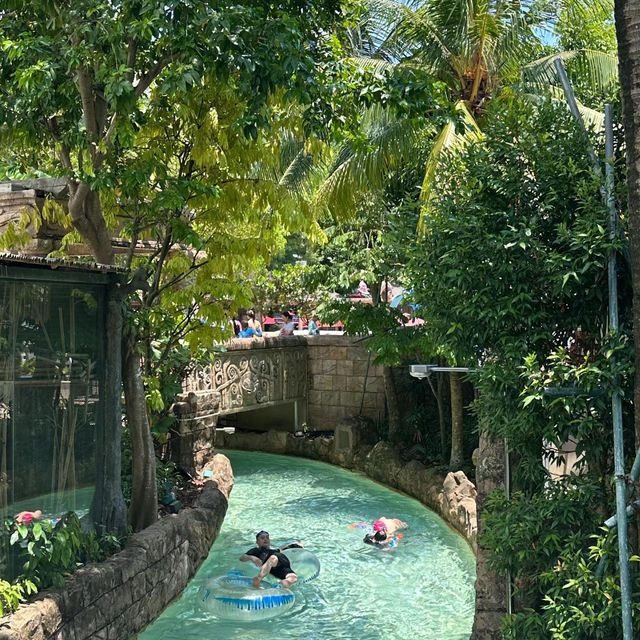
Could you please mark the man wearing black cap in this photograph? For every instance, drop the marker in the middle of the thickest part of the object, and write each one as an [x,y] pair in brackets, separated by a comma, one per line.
[271,561]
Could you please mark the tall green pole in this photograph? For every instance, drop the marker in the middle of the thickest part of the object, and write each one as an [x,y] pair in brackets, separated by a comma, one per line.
[616,403]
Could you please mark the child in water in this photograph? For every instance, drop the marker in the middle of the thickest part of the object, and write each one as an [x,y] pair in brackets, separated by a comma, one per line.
[384,533]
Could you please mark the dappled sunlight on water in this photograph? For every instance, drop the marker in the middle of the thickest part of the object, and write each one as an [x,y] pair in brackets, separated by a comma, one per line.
[423,590]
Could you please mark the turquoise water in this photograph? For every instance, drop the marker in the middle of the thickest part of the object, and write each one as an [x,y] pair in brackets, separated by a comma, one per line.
[55,505]
[422,590]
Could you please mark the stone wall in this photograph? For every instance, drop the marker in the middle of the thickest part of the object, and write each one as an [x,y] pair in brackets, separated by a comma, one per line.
[119,597]
[450,495]
[341,378]
[329,378]
[29,196]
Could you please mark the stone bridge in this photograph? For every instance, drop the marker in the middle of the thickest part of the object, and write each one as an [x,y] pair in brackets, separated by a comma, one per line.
[280,383]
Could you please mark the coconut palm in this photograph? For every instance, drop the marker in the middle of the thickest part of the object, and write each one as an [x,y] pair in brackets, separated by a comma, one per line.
[480,49]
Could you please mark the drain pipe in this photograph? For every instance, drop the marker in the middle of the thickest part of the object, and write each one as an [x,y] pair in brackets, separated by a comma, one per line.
[616,402]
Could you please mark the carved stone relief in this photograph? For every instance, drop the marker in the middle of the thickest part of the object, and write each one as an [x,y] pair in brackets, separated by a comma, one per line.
[241,379]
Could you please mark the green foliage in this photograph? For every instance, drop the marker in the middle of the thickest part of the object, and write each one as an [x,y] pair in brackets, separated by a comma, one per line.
[290,286]
[12,594]
[514,251]
[167,475]
[511,280]
[50,552]
[527,534]
[547,543]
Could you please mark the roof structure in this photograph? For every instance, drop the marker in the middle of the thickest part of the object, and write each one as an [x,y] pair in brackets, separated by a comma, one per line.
[55,263]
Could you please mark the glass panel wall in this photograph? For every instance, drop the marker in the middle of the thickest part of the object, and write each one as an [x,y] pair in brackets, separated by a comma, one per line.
[50,374]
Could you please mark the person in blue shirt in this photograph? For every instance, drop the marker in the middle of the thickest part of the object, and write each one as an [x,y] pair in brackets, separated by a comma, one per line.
[249,332]
[313,325]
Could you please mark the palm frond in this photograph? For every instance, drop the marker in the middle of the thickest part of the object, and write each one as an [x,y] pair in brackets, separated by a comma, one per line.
[354,171]
[448,140]
[601,68]
[373,64]
[297,171]
[584,9]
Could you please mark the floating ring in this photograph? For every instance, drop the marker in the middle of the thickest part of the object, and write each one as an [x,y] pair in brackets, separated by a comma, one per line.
[234,597]
[303,563]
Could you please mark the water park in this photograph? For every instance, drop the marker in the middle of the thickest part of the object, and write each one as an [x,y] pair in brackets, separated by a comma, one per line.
[319,318]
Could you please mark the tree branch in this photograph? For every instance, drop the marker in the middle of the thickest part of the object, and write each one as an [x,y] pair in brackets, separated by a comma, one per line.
[88,105]
[147,78]
[131,58]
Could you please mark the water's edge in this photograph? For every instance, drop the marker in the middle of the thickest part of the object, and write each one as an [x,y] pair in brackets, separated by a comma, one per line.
[111,600]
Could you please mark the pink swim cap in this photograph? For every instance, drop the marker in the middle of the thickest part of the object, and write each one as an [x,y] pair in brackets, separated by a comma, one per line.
[378,525]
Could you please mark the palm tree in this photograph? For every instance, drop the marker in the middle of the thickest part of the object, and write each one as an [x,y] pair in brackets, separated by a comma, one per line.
[480,49]
[627,16]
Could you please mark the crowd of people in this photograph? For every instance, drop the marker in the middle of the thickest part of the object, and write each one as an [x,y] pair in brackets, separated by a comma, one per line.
[247,326]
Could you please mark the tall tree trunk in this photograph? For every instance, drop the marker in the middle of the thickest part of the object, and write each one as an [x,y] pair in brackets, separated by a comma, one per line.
[457,424]
[86,216]
[442,420]
[393,407]
[143,509]
[627,16]
[437,392]
[108,508]
[491,595]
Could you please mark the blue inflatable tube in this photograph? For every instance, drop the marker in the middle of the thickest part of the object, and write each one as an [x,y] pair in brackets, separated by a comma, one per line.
[234,597]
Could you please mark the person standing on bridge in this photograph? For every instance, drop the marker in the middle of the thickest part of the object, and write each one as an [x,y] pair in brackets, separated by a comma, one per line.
[252,323]
[289,326]
[313,325]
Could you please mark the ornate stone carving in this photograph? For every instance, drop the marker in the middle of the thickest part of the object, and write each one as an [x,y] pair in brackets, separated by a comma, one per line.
[243,379]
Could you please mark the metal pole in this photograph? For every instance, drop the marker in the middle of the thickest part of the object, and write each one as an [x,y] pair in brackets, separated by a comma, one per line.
[507,491]
[631,509]
[616,403]
[573,106]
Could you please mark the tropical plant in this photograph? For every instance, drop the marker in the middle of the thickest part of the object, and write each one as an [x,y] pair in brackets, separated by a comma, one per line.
[12,594]
[480,52]
[84,84]
[510,276]
[53,549]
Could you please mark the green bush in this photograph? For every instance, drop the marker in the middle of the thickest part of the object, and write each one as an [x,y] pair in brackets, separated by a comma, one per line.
[53,550]
[49,551]
[12,594]
[578,603]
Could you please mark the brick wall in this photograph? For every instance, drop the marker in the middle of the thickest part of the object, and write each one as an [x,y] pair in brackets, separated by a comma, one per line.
[339,381]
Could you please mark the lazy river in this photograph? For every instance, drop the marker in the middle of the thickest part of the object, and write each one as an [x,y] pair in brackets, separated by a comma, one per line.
[422,590]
